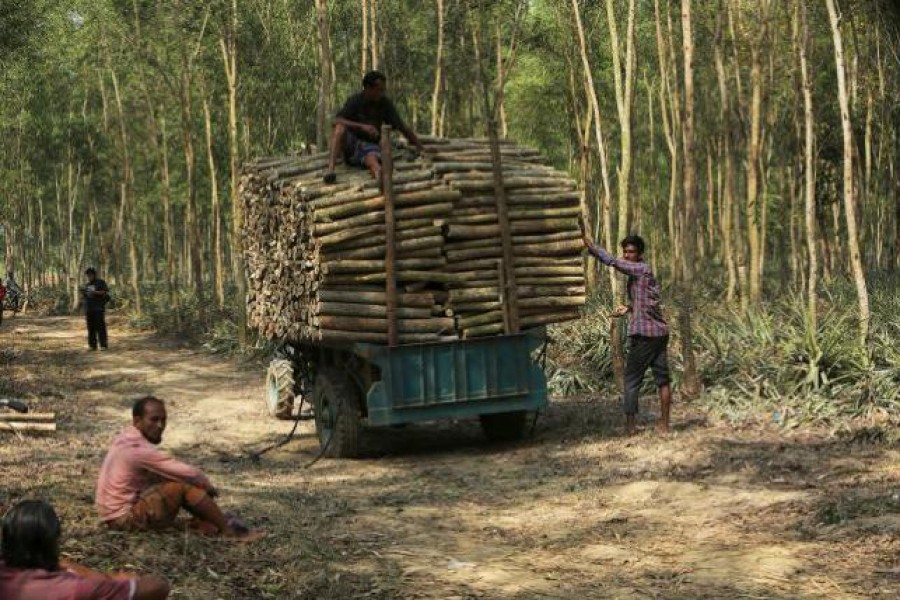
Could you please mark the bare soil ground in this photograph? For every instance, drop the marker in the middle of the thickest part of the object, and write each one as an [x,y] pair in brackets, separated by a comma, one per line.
[434,512]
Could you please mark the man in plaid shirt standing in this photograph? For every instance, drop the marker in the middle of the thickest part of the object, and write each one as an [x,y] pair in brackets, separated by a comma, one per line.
[647,329]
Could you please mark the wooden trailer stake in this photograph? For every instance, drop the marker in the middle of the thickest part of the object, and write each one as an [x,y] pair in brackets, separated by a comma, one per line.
[390,280]
[504,304]
[510,292]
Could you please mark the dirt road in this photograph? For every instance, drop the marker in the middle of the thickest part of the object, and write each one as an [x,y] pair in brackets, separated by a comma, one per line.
[434,512]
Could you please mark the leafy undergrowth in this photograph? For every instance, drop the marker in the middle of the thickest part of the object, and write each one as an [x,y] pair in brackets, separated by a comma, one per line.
[579,356]
[764,363]
[191,319]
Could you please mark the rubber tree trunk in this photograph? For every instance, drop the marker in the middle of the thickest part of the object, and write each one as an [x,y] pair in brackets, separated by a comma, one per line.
[326,84]
[856,265]
[624,84]
[753,209]
[436,95]
[373,34]
[691,382]
[126,205]
[598,132]
[228,46]
[215,204]
[809,174]
[191,239]
[671,117]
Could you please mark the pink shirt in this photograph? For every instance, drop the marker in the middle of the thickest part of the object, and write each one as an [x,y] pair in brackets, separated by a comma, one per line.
[38,584]
[131,465]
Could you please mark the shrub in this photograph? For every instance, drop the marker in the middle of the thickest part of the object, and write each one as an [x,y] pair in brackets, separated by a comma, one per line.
[765,361]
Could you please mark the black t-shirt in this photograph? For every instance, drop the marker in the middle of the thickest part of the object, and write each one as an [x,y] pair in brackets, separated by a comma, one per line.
[91,302]
[371,112]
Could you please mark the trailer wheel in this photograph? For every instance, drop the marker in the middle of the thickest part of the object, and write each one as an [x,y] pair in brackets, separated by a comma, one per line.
[337,413]
[280,388]
[504,427]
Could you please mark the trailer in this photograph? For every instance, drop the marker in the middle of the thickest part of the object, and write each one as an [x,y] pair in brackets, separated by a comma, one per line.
[497,379]
[420,297]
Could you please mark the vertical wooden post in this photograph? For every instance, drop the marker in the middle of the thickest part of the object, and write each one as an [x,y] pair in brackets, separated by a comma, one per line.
[510,291]
[501,285]
[390,271]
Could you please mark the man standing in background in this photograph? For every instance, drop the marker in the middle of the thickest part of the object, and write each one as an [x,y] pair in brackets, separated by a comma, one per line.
[13,290]
[96,295]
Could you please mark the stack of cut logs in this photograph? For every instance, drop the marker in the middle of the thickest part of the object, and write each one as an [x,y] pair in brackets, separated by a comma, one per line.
[315,253]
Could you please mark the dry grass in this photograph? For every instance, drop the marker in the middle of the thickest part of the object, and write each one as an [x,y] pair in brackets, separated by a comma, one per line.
[432,512]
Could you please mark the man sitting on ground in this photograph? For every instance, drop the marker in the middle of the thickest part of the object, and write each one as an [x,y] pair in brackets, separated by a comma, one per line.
[357,128]
[140,487]
[31,568]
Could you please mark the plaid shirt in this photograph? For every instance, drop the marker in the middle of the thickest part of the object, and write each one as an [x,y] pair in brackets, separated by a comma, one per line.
[646,316]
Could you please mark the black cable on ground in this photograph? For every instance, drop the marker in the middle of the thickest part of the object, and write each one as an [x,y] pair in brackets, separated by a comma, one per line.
[322,452]
[255,456]
[304,374]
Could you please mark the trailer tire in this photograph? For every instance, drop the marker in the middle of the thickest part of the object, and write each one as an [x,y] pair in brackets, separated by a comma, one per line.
[337,413]
[504,427]
[280,388]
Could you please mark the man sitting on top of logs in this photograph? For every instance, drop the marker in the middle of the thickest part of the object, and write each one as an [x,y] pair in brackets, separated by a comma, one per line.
[357,128]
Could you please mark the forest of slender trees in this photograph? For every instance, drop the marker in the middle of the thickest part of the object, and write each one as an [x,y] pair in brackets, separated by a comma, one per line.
[753,143]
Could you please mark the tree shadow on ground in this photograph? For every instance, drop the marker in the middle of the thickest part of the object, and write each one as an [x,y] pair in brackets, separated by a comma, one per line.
[577,511]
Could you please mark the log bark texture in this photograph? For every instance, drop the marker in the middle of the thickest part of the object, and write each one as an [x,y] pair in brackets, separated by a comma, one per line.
[315,254]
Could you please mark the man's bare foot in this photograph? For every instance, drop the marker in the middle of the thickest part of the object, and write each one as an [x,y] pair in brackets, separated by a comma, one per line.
[662,428]
[203,527]
[248,536]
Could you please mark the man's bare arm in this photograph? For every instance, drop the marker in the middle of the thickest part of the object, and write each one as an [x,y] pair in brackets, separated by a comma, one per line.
[370,129]
[412,137]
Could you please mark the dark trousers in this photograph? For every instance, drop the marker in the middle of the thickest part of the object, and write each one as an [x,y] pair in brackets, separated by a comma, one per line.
[644,352]
[96,326]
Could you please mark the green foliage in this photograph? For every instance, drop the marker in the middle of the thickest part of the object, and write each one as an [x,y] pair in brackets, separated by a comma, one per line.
[185,315]
[579,358]
[767,358]
[46,300]
[189,319]
[766,361]
[18,21]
